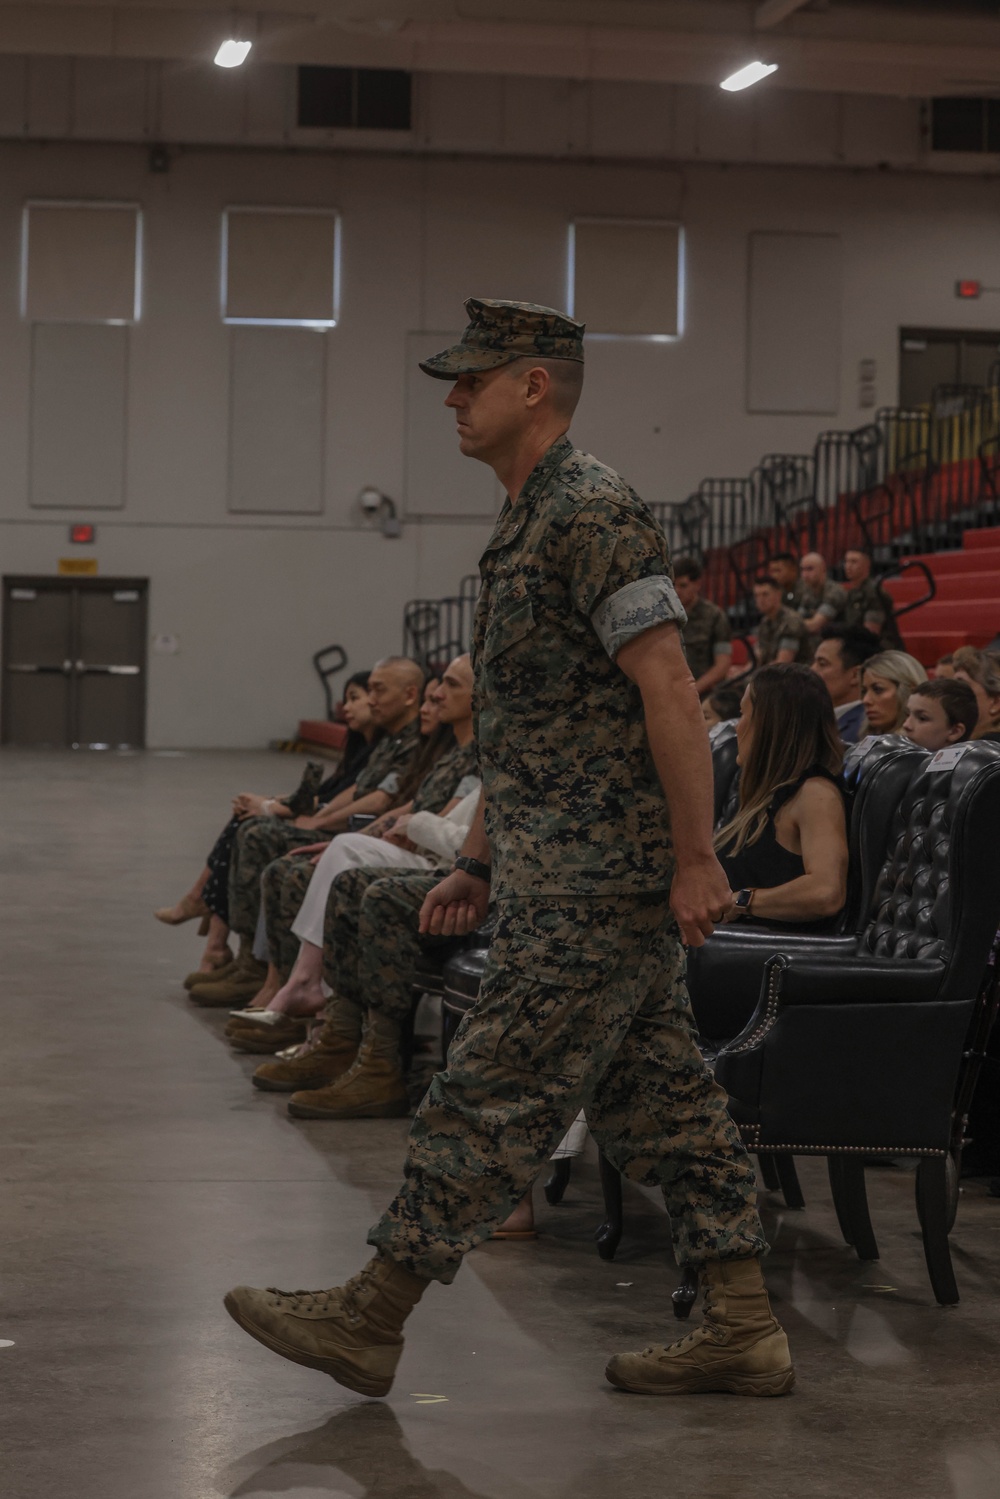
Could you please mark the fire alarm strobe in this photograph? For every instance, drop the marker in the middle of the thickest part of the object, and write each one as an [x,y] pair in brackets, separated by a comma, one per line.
[968,288]
[83,535]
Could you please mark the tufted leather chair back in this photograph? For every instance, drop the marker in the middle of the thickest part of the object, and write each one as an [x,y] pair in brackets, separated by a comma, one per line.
[938,892]
[875,781]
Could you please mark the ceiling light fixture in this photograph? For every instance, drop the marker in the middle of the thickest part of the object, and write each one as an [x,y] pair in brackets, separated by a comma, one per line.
[752,73]
[232,53]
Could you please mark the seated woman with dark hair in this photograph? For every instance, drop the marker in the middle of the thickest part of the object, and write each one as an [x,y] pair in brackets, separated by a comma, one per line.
[785,851]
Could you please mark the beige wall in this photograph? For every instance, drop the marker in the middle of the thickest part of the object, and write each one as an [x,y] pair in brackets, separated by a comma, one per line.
[251,598]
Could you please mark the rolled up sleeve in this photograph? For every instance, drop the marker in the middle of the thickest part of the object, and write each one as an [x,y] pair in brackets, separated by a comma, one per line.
[634,609]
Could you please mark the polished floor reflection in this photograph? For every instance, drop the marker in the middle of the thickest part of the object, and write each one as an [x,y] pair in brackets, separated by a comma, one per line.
[142,1175]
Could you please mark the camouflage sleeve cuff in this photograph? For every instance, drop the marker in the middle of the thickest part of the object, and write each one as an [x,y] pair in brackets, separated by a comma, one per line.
[874,619]
[390,784]
[828,611]
[466,786]
[788,643]
[634,609]
[723,648]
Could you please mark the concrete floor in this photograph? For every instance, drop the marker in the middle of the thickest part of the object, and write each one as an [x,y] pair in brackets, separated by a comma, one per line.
[142,1176]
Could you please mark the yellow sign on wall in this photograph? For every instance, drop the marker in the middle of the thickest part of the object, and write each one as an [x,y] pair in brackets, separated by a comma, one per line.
[78,567]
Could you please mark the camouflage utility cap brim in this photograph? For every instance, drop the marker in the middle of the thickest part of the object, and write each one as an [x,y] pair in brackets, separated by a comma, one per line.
[500,332]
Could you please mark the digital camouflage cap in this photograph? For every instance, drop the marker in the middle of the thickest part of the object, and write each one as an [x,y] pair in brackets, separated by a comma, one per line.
[500,332]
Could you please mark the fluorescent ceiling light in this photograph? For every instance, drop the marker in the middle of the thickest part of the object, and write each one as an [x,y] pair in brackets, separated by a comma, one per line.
[232,53]
[752,73]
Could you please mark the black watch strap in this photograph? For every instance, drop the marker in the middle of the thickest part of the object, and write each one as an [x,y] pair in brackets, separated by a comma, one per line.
[475,867]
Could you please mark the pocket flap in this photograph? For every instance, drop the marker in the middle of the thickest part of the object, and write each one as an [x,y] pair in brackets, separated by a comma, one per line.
[508,627]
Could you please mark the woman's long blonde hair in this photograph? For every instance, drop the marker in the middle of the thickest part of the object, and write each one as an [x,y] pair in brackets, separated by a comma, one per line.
[794,728]
[903,671]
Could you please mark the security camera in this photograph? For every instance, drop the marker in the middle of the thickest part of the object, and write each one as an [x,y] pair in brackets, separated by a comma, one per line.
[370,500]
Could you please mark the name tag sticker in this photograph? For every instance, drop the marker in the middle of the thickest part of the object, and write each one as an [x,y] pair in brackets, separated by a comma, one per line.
[946,759]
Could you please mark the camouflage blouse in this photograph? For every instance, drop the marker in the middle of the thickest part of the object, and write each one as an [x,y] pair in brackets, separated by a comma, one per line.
[573,571]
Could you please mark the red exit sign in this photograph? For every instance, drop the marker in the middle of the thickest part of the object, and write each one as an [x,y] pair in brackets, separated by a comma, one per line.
[83,535]
[968,288]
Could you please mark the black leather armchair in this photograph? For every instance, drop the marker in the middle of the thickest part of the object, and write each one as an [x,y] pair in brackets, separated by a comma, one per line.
[870,1045]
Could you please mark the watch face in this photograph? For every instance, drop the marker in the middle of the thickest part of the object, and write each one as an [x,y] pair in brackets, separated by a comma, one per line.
[743,899]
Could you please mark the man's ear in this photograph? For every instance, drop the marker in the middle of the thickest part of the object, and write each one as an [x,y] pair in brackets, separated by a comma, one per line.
[537,383]
[955,732]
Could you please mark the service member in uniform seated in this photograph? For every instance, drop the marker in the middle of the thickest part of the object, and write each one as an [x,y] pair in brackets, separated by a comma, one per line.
[839,657]
[589,730]
[784,569]
[781,635]
[708,635]
[868,606]
[822,601]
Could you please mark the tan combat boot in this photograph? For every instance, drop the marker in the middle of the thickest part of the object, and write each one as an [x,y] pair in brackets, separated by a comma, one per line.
[221,970]
[373,1088]
[739,1350]
[329,1052]
[242,981]
[352,1332]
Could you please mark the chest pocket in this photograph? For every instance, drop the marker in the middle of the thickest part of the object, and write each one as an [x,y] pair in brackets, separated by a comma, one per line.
[509,625]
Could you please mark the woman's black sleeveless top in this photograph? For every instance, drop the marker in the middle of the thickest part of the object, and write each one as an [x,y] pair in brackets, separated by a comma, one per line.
[764,864]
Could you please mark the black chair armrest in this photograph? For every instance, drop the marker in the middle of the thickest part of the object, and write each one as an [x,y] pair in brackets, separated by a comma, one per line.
[857,979]
[725,973]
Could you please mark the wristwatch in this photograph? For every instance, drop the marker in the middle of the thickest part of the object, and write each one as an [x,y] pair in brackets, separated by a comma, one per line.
[743,899]
[475,867]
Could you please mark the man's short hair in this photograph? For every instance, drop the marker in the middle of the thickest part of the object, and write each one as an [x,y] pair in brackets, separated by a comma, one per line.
[412,672]
[856,645]
[763,581]
[956,698]
[566,376]
[784,557]
[687,567]
[861,551]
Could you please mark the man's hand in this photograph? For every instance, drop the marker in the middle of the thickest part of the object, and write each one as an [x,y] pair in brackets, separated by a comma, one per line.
[380,826]
[455,907]
[699,898]
[396,833]
[309,824]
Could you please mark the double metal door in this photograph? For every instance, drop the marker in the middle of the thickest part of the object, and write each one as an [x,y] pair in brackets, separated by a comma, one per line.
[74,663]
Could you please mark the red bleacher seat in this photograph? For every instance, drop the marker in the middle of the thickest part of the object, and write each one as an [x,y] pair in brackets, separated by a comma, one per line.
[966,608]
[331,736]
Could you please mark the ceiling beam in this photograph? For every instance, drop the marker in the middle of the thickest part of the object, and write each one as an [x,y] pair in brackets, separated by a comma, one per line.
[773,11]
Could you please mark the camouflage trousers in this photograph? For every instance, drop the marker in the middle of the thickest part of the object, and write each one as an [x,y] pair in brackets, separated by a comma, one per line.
[370,938]
[283,887]
[583,1006]
[257,842]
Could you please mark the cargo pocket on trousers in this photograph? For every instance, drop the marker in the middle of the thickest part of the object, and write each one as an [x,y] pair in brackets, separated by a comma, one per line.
[541,1016]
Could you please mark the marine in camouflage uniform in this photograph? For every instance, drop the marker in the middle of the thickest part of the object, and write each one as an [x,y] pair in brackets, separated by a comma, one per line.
[583,1002]
[707,635]
[285,881]
[830,600]
[262,839]
[785,632]
[869,607]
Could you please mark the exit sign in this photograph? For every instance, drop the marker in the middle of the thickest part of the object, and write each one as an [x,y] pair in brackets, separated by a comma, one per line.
[968,288]
[83,535]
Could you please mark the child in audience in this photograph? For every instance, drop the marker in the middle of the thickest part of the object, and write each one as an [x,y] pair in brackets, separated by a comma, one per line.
[887,682]
[940,713]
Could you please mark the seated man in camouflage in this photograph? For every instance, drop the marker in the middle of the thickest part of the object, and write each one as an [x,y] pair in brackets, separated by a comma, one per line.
[708,635]
[781,634]
[868,606]
[822,601]
[370,951]
[395,687]
[295,888]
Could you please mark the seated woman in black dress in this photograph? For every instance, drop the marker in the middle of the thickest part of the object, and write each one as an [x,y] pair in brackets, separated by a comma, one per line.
[785,850]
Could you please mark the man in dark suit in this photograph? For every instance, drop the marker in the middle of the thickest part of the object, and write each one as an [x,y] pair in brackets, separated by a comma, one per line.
[839,660]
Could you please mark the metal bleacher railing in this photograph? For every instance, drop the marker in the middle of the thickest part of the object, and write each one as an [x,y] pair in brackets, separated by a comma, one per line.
[910,481]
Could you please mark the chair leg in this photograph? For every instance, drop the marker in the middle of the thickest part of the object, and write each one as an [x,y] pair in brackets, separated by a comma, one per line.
[406,1041]
[609,1234]
[784,1165]
[559,1180]
[934,1212]
[852,1176]
[833,1165]
[768,1172]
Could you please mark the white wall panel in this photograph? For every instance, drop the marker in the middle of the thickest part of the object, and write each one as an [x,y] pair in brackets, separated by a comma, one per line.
[794,323]
[280,265]
[626,277]
[79,385]
[439,480]
[81,262]
[276,424]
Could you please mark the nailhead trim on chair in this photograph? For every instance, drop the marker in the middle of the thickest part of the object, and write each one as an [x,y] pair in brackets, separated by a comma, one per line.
[751,1138]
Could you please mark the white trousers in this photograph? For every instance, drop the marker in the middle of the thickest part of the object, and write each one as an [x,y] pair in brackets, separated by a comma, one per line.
[348,851]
